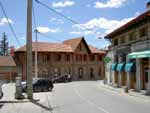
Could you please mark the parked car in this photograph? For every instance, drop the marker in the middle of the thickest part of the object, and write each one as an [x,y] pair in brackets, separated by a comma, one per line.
[1,92]
[39,84]
[62,79]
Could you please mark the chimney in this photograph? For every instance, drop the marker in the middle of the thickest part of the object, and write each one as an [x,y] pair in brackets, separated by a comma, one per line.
[12,50]
[148,6]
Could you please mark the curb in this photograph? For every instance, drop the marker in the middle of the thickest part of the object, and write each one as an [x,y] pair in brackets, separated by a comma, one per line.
[130,93]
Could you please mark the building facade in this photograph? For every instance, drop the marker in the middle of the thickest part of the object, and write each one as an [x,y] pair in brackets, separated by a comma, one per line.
[131,53]
[8,70]
[74,57]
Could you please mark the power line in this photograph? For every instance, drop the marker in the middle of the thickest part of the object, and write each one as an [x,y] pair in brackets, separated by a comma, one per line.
[64,16]
[46,36]
[10,26]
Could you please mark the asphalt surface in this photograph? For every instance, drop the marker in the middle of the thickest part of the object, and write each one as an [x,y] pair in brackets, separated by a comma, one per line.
[79,97]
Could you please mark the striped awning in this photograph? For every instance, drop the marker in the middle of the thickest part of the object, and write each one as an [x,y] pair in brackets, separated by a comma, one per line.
[142,54]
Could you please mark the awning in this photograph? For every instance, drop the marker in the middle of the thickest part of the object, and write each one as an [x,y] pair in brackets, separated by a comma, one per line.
[130,67]
[120,67]
[114,66]
[142,54]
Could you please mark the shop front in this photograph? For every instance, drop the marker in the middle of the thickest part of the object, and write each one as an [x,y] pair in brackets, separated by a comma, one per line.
[142,69]
[130,69]
[114,73]
[122,75]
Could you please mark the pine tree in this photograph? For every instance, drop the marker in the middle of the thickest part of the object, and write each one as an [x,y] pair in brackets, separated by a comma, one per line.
[4,49]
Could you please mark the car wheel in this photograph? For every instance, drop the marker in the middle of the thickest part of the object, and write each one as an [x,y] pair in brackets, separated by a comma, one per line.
[1,95]
[50,89]
[42,90]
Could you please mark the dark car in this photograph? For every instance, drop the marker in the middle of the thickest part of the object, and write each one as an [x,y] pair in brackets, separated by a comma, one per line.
[62,79]
[39,84]
[1,91]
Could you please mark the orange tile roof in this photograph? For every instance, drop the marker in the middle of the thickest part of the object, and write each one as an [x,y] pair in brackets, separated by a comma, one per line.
[47,47]
[73,42]
[66,46]
[95,50]
[7,61]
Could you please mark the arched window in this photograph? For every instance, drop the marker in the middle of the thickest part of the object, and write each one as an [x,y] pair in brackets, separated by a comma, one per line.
[80,73]
[91,73]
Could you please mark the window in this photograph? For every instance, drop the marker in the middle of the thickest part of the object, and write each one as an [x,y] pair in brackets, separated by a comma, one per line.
[80,47]
[132,36]
[58,57]
[91,73]
[67,57]
[77,57]
[99,58]
[115,42]
[92,57]
[80,72]
[44,58]
[122,40]
[144,32]
[85,57]
[80,57]
[33,58]
[48,57]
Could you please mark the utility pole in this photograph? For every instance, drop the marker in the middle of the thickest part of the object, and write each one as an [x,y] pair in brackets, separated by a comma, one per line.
[29,50]
[36,52]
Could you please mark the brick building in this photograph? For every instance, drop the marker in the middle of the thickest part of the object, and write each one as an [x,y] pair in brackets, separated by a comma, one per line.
[8,70]
[74,57]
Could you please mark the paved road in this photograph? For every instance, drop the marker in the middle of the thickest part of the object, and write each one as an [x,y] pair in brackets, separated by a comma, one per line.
[80,97]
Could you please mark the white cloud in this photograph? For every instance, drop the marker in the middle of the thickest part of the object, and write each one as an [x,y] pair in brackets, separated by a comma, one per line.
[56,20]
[81,32]
[4,21]
[100,24]
[23,38]
[63,4]
[46,30]
[110,4]
[137,13]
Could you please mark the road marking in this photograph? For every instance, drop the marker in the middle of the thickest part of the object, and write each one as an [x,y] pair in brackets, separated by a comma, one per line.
[89,102]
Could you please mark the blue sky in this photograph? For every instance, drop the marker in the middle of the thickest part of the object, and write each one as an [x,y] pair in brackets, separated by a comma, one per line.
[101,16]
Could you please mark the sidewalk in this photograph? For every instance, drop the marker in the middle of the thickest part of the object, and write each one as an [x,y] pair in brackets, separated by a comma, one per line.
[8,104]
[141,94]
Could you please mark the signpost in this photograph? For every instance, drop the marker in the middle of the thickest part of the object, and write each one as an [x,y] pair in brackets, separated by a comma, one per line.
[107,59]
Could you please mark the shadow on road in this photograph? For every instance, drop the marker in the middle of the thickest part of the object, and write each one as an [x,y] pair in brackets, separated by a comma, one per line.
[42,106]
[1,105]
[9,102]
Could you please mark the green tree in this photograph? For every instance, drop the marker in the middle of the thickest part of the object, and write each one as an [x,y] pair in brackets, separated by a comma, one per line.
[4,49]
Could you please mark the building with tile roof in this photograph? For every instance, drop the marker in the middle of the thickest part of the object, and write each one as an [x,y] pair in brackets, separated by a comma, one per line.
[7,68]
[74,57]
[130,51]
